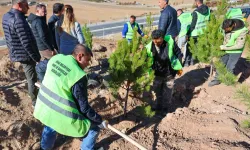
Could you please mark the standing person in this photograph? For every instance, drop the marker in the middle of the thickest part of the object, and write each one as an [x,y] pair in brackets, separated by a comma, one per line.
[128,29]
[184,21]
[200,17]
[62,103]
[57,15]
[168,19]
[68,32]
[235,13]
[166,64]
[233,45]
[43,38]
[21,43]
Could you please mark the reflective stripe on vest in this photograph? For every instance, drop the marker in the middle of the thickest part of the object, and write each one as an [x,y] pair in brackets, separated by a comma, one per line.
[233,39]
[59,109]
[201,23]
[175,62]
[185,19]
[55,105]
[130,33]
[234,13]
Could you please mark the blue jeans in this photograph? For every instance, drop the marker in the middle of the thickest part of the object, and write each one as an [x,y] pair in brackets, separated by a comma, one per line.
[41,69]
[88,142]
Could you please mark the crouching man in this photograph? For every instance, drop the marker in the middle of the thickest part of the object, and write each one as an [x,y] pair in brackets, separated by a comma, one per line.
[166,64]
[62,103]
[233,45]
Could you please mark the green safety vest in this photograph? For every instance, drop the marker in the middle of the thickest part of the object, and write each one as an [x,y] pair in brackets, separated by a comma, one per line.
[200,24]
[175,62]
[234,13]
[130,33]
[186,20]
[233,39]
[55,105]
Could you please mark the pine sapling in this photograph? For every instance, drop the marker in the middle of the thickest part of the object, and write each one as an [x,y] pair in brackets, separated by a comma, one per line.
[87,35]
[129,66]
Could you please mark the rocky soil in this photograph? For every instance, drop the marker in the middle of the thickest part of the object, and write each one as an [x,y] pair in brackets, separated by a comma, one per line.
[200,118]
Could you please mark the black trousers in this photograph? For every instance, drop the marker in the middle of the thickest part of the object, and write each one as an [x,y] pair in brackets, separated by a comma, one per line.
[31,76]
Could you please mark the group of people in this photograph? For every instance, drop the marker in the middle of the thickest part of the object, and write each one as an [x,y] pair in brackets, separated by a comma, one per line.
[57,54]
[179,27]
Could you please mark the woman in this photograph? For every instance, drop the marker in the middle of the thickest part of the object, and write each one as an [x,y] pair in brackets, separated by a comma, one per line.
[68,32]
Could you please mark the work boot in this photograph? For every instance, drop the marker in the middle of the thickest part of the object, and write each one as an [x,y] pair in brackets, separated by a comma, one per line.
[213,83]
[156,108]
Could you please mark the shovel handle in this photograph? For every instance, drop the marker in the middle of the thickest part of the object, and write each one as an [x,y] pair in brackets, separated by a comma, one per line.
[126,137]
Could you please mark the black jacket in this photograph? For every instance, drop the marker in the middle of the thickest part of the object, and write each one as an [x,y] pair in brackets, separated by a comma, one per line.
[19,38]
[168,21]
[80,94]
[41,32]
[162,64]
[203,9]
[51,23]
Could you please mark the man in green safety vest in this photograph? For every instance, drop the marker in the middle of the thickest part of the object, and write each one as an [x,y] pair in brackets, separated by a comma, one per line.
[166,64]
[200,17]
[183,25]
[128,29]
[237,13]
[234,13]
[62,103]
[233,45]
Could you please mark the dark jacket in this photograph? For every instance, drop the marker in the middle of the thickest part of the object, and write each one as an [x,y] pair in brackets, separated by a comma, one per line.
[80,94]
[162,64]
[203,9]
[19,38]
[168,21]
[51,23]
[41,32]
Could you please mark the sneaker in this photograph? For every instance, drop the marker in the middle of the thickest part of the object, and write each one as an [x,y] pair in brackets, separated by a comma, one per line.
[213,83]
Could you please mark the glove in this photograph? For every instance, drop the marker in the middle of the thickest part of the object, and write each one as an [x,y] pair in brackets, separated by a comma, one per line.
[179,73]
[222,47]
[145,36]
[104,124]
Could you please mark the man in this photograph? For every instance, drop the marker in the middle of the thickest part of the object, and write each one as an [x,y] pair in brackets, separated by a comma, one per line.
[57,15]
[200,16]
[237,13]
[184,21]
[166,64]
[233,45]
[43,38]
[128,29]
[168,19]
[21,42]
[234,13]
[62,103]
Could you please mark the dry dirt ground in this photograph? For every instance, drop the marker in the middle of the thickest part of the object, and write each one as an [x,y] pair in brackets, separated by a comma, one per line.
[200,118]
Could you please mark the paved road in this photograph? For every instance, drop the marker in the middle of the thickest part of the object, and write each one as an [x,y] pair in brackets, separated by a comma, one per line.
[116,27]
